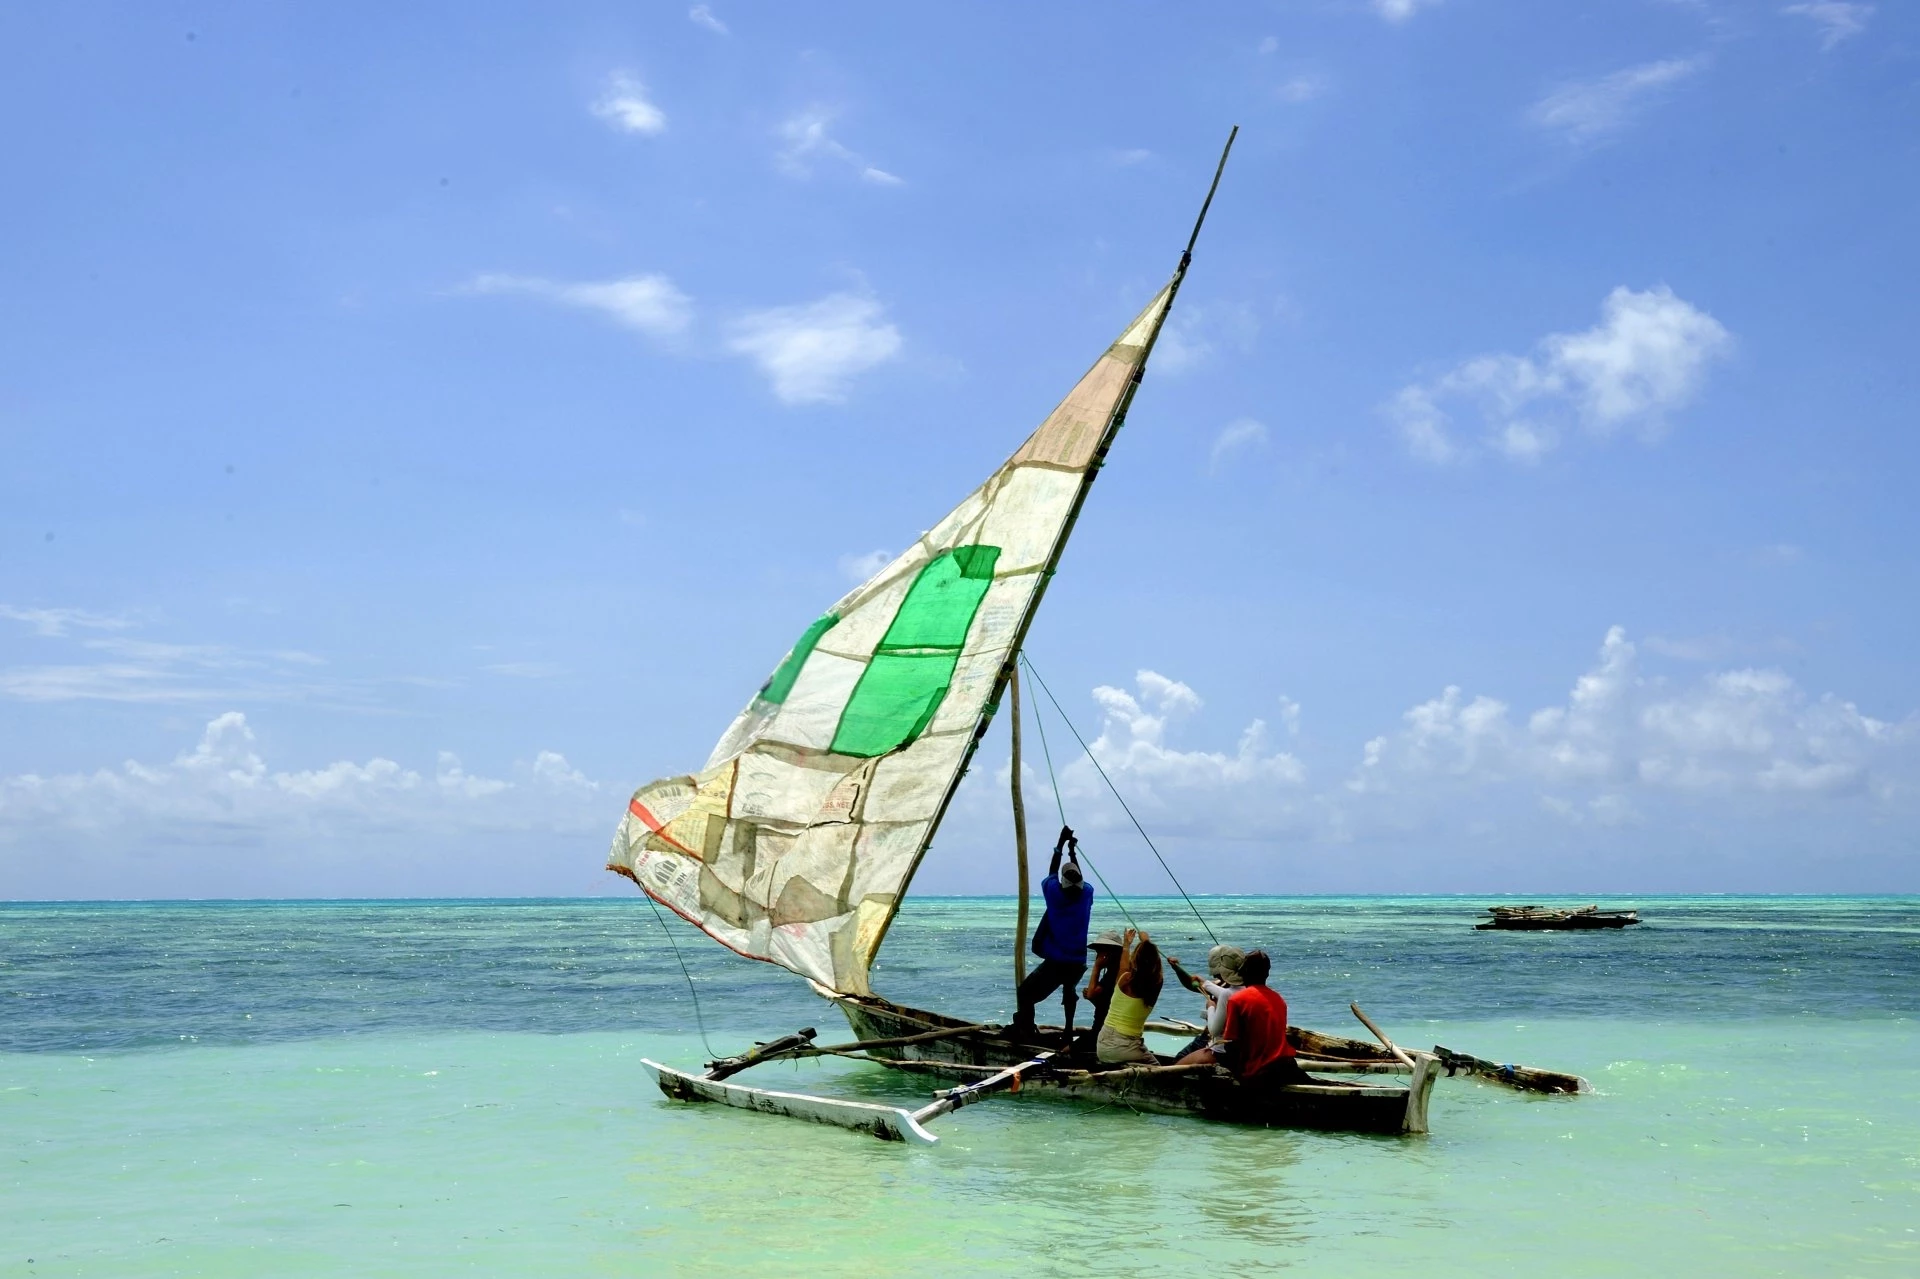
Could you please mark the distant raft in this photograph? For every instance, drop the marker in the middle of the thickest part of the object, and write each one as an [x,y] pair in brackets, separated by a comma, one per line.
[1541,918]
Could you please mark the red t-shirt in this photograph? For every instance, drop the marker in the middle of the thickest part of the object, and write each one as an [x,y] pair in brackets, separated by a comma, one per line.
[1257,1029]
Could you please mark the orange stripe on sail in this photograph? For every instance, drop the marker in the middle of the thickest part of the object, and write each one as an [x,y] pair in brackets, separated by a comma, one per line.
[639,810]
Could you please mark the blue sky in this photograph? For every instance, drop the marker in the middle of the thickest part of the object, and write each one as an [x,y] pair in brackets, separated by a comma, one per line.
[421,428]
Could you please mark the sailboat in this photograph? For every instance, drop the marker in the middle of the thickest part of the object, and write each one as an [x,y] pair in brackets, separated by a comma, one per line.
[797,842]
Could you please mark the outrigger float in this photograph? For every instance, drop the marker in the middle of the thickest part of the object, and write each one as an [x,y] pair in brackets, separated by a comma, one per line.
[797,841]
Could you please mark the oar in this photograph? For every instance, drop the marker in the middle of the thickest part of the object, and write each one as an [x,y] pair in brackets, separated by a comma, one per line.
[1381,1035]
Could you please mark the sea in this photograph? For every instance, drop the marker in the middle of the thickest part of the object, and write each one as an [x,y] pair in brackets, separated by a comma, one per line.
[454,1087]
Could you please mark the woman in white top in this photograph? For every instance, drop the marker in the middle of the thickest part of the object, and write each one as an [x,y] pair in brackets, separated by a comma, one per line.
[1223,966]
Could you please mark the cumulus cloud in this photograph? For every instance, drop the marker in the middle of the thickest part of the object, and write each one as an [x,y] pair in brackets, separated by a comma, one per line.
[1236,437]
[1838,21]
[1243,791]
[222,784]
[1589,111]
[701,16]
[624,105]
[805,141]
[811,352]
[1647,357]
[1401,10]
[649,304]
[1751,730]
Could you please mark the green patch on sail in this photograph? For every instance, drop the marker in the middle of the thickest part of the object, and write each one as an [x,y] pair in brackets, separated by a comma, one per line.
[912,667]
[781,683]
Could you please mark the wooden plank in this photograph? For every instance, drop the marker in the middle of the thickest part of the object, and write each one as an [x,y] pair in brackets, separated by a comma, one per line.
[889,1123]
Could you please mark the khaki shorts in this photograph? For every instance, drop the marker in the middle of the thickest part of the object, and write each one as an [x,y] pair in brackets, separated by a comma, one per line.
[1110,1046]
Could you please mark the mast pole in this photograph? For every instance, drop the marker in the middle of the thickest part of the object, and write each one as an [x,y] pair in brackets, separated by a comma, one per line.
[1019,839]
[1206,204]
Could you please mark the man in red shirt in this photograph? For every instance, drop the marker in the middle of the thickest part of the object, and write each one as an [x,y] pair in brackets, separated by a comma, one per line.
[1253,1044]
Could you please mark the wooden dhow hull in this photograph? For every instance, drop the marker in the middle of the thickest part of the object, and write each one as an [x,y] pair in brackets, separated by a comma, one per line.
[1204,1093]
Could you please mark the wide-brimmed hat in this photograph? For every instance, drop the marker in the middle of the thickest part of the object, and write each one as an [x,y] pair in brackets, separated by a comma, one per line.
[1223,962]
[1111,938]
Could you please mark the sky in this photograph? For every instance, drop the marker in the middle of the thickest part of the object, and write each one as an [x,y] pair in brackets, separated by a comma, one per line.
[420,426]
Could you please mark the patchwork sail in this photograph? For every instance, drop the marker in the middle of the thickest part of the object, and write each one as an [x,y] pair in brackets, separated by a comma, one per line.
[796,841]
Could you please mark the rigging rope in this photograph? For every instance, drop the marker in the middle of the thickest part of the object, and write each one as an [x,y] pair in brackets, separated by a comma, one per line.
[698,1020]
[1053,782]
[1116,794]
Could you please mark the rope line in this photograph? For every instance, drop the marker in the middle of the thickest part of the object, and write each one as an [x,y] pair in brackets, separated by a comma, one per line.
[1116,794]
[698,1020]
[1053,782]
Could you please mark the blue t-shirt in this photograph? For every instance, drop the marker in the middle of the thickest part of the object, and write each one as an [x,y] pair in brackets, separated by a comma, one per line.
[1062,934]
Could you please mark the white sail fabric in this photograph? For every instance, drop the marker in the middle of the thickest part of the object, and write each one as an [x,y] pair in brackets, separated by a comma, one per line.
[796,841]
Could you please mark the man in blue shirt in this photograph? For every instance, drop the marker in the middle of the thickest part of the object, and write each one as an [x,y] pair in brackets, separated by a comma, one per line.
[1061,939]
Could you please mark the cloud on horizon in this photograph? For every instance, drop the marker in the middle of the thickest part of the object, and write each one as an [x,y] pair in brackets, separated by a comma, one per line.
[224,785]
[1624,748]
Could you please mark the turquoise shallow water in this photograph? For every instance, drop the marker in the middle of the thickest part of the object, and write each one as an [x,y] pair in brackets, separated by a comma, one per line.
[438,1088]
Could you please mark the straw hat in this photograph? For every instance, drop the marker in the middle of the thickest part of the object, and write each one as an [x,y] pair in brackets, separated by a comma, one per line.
[1111,938]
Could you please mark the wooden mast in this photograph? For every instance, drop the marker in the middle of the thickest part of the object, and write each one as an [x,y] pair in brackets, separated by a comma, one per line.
[1019,838]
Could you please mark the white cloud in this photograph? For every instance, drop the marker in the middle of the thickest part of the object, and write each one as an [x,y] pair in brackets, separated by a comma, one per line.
[701,15]
[223,784]
[1750,730]
[810,352]
[55,623]
[1301,88]
[1589,111]
[1837,20]
[806,141]
[858,568]
[650,304]
[1647,357]
[1271,44]
[1130,157]
[1236,437]
[625,106]
[1184,790]
[1401,10]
